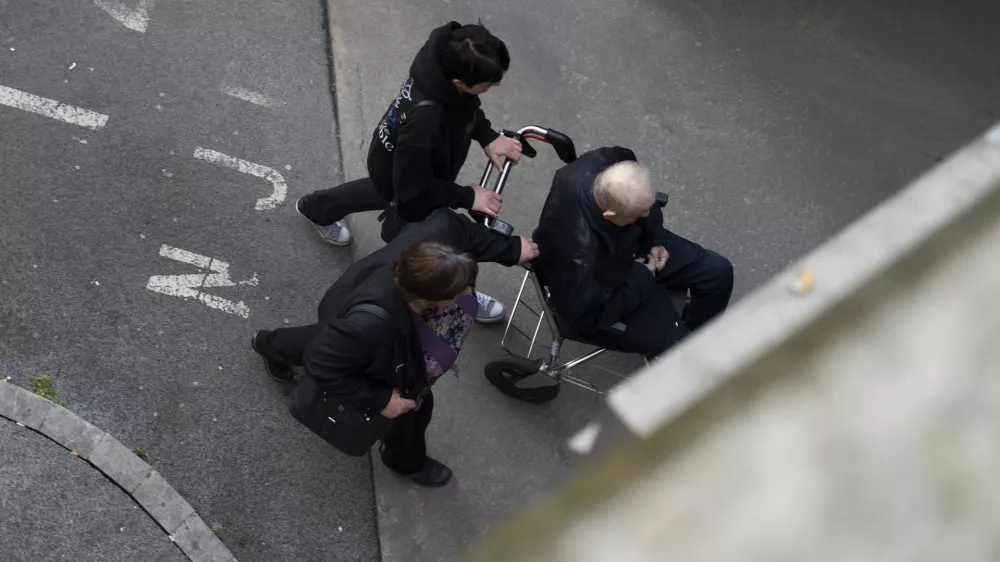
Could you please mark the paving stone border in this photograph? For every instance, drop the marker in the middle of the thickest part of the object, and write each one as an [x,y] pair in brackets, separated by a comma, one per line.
[120,465]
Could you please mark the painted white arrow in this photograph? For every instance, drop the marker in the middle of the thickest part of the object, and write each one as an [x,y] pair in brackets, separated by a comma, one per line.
[270,174]
[186,286]
[136,19]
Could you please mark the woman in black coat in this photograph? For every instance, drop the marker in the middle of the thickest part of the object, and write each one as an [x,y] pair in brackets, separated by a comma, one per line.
[423,280]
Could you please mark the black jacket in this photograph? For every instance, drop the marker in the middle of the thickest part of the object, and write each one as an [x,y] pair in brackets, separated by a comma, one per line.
[587,262]
[360,357]
[416,155]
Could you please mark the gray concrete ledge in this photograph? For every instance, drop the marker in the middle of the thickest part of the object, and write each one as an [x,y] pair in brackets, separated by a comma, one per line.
[858,257]
[146,486]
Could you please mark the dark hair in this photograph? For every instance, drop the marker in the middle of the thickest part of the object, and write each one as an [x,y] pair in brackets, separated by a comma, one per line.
[474,56]
[433,271]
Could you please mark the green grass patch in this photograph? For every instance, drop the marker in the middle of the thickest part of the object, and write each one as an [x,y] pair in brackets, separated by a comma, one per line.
[42,386]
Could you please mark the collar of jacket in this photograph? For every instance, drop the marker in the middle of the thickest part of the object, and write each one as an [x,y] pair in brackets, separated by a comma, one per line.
[614,237]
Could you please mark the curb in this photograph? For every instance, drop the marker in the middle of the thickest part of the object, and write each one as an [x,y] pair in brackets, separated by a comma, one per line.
[365,229]
[120,465]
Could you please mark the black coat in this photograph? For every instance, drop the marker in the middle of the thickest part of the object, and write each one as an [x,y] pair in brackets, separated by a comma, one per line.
[415,155]
[360,357]
[588,262]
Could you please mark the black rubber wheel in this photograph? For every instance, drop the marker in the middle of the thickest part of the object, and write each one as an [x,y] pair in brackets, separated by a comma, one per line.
[505,373]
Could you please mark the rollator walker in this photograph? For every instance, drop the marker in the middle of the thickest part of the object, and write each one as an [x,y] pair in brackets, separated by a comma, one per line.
[508,372]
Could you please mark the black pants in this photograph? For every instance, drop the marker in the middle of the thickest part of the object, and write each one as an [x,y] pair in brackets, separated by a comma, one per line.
[405,448]
[328,206]
[655,326]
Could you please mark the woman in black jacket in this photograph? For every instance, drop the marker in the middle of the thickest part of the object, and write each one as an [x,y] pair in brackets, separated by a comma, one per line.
[423,280]
[422,141]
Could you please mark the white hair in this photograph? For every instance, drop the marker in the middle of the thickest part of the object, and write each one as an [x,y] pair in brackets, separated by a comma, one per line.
[625,189]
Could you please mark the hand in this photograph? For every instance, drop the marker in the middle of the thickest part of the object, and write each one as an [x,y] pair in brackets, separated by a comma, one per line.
[648,262]
[503,146]
[659,256]
[529,251]
[487,201]
[397,405]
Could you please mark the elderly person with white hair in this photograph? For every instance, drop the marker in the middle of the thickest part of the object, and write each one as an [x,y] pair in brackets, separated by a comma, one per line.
[609,262]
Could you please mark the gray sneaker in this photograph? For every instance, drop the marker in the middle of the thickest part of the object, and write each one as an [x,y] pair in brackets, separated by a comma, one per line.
[490,309]
[336,233]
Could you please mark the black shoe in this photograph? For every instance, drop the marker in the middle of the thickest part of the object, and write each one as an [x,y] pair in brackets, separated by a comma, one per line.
[433,475]
[278,371]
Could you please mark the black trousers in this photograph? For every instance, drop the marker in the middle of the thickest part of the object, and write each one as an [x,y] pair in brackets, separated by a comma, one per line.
[405,448]
[328,206]
[655,326]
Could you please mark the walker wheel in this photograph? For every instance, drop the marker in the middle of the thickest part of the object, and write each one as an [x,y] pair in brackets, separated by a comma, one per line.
[505,373]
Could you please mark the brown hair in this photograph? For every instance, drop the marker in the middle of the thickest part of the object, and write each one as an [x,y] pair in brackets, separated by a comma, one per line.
[433,271]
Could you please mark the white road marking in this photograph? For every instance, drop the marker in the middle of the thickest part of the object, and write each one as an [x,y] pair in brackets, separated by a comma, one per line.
[270,174]
[186,286]
[136,19]
[51,108]
[79,140]
[251,96]
[72,66]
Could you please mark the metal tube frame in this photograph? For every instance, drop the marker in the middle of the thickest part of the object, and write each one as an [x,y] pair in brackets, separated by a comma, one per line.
[550,367]
[505,169]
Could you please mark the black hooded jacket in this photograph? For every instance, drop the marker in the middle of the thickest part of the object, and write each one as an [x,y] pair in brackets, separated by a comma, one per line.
[416,153]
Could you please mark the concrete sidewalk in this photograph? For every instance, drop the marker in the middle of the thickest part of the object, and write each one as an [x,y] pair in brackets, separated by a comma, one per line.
[771,125]
[69,491]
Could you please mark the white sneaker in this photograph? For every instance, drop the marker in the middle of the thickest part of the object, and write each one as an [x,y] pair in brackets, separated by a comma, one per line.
[490,309]
[336,233]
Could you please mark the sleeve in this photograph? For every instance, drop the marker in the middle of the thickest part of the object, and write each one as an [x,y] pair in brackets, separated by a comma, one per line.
[337,357]
[484,244]
[483,131]
[588,306]
[412,173]
[468,236]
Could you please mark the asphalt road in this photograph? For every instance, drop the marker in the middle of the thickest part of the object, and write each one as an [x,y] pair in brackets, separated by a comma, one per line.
[771,123]
[57,507]
[84,215]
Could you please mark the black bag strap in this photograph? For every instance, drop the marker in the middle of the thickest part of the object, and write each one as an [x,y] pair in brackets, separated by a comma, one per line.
[402,119]
[370,309]
[364,307]
[414,107]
